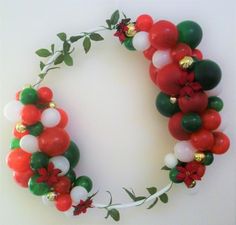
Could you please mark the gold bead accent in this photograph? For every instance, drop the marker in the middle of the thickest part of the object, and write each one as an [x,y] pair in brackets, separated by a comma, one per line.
[173,100]
[186,62]
[52,105]
[20,128]
[193,184]
[199,156]
[131,30]
[51,196]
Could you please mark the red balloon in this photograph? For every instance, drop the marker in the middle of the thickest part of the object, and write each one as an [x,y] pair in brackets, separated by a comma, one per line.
[149,53]
[202,140]
[163,35]
[30,114]
[63,202]
[64,118]
[63,185]
[22,178]
[196,103]
[54,141]
[17,96]
[176,129]
[198,54]
[180,51]
[211,119]
[45,94]
[18,160]
[18,134]
[221,143]
[153,71]
[144,22]
[168,79]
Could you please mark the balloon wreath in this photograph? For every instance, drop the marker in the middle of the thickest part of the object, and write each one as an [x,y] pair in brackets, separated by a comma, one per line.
[43,157]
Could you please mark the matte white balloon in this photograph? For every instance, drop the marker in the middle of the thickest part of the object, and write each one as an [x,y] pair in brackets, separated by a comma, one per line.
[170,160]
[12,111]
[161,58]
[29,143]
[141,41]
[50,117]
[61,163]
[78,193]
[216,91]
[184,151]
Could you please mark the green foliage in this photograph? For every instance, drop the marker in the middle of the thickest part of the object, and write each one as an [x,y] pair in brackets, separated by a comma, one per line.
[43,52]
[87,44]
[62,36]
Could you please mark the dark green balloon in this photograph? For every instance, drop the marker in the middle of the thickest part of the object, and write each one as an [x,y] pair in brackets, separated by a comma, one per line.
[129,44]
[38,188]
[215,103]
[173,174]
[85,182]
[71,175]
[209,158]
[207,73]
[29,96]
[164,105]
[39,160]
[36,129]
[15,143]
[190,33]
[72,154]
[191,122]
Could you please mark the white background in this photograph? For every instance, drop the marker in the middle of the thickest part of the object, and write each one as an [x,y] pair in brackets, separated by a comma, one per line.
[110,100]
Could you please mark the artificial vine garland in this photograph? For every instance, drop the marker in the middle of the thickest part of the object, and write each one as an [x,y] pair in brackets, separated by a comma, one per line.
[42,155]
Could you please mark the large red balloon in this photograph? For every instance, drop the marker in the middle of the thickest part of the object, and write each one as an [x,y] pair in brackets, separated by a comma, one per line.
[144,22]
[22,178]
[149,53]
[176,129]
[211,119]
[63,202]
[163,35]
[153,71]
[45,94]
[18,160]
[63,185]
[202,140]
[180,51]
[221,143]
[30,114]
[54,141]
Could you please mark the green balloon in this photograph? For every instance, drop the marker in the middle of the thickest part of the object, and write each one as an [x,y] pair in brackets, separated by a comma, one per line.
[165,106]
[190,33]
[72,154]
[39,160]
[15,143]
[29,96]
[38,188]
[215,103]
[129,44]
[71,175]
[85,182]
[209,158]
[191,122]
[36,129]
[173,174]
[207,73]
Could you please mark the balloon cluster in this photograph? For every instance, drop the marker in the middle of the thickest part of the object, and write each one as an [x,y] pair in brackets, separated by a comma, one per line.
[189,89]
[42,156]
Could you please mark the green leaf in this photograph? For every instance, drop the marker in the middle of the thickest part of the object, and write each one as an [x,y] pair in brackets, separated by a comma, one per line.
[108,23]
[53,68]
[86,44]
[66,47]
[139,198]
[62,36]
[165,168]
[131,195]
[153,204]
[124,15]
[96,37]
[114,213]
[152,190]
[59,59]
[42,65]
[115,17]
[110,202]
[164,198]
[43,52]
[68,60]
[42,75]
[52,48]
[75,38]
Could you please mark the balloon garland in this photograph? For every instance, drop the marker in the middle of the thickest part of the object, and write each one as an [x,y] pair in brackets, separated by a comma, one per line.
[43,157]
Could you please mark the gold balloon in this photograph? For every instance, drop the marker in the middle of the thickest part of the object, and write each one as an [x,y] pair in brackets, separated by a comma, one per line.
[131,30]
[20,128]
[52,105]
[193,184]
[186,62]
[173,100]
[199,156]
[51,196]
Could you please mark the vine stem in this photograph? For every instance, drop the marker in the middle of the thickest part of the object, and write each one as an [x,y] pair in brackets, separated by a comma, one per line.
[137,203]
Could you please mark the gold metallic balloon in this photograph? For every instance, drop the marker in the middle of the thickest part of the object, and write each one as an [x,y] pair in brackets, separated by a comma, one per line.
[131,30]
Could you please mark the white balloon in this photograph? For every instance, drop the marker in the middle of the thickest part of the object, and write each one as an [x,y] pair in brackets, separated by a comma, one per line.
[170,160]
[47,202]
[50,117]
[161,58]
[12,111]
[29,143]
[216,90]
[78,193]
[61,163]
[141,41]
[184,151]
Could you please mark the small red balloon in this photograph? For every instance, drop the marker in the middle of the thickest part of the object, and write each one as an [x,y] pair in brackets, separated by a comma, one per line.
[153,71]
[176,129]
[180,51]
[149,53]
[63,202]
[22,178]
[45,94]
[211,119]
[54,141]
[18,134]
[202,140]
[17,96]
[62,186]
[198,54]
[64,118]
[221,143]
[30,114]
[144,22]
[163,35]
[18,160]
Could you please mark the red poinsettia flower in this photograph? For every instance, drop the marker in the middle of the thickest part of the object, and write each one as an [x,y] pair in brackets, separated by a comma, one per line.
[189,86]
[121,29]
[83,206]
[48,175]
[190,172]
